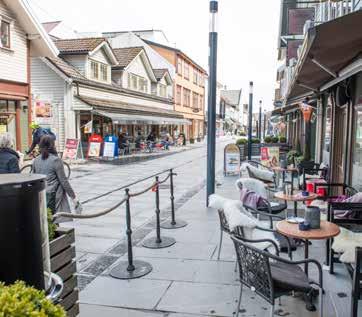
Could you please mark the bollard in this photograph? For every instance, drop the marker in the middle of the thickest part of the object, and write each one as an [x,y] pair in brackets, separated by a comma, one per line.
[158,242]
[130,269]
[173,224]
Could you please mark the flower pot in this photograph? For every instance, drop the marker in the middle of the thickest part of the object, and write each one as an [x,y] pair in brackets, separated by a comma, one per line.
[62,262]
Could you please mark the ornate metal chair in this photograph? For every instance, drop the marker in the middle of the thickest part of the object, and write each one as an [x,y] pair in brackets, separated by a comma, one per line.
[262,173]
[271,276]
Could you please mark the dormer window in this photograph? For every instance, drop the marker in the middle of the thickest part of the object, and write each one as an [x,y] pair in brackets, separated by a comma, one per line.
[98,71]
[138,83]
[163,90]
[4,34]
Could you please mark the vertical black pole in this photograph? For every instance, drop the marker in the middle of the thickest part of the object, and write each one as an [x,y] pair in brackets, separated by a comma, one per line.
[250,130]
[172,198]
[158,225]
[264,123]
[129,233]
[259,131]
[211,126]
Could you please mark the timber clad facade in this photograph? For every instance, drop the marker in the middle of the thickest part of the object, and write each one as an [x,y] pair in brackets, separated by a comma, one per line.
[16,21]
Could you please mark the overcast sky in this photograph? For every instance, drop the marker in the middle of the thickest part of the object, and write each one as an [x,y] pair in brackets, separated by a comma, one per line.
[247,32]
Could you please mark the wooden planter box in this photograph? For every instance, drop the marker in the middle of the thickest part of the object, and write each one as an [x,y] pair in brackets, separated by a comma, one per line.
[62,262]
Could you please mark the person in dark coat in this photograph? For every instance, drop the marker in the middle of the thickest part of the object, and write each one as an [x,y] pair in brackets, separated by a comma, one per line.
[58,186]
[9,159]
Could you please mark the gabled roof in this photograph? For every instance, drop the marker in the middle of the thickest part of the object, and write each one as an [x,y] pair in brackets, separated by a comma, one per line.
[66,68]
[161,73]
[177,51]
[126,55]
[232,97]
[40,43]
[78,46]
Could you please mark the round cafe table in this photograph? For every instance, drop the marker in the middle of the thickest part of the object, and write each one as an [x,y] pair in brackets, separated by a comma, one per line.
[295,197]
[327,230]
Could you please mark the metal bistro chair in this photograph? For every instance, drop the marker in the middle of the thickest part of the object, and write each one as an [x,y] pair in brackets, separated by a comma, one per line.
[271,276]
[262,173]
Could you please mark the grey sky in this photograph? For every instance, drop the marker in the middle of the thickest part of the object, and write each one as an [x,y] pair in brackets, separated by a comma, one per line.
[247,32]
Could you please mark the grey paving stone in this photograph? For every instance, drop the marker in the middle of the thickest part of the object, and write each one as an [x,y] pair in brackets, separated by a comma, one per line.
[85,260]
[93,244]
[101,311]
[138,293]
[84,280]
[100,264]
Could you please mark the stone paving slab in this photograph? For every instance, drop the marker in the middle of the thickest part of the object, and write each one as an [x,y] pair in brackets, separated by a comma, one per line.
[93,244]
[138,293]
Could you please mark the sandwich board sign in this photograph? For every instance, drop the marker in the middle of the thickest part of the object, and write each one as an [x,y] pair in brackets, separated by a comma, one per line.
[231,160]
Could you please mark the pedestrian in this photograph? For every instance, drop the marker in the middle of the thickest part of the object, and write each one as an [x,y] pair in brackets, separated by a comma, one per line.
[37,134]
[123,143]
[9,159]
[58,187]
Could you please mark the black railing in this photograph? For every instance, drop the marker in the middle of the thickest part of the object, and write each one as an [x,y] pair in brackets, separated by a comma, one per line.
[131,269]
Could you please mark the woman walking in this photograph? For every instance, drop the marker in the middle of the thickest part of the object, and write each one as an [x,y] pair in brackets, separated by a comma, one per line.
[9,159]
[58,186]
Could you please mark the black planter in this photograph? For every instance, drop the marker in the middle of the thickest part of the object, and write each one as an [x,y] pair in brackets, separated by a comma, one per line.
[255,150]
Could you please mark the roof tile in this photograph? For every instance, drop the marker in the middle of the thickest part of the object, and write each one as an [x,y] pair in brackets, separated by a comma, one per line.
[78,46]
[126,55]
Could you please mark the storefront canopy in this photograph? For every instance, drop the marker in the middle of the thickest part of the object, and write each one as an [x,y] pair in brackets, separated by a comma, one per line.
[121,118]
[331,53]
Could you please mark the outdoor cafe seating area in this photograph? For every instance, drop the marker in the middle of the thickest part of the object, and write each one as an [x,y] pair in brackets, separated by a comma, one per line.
[296,233]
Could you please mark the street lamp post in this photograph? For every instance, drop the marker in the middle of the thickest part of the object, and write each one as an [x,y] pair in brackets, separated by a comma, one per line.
[250,130]
[211,126]
[264,122]
[259,131]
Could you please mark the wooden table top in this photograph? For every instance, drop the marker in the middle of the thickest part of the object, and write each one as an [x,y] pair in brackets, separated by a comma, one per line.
[295,197]
[327,230]
[281,169]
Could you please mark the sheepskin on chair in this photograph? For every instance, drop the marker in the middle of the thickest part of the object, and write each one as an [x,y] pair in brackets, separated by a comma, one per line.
[346,243]
[236,215]
[260,173]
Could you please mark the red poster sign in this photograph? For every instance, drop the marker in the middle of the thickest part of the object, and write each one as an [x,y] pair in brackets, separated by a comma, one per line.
[71,149]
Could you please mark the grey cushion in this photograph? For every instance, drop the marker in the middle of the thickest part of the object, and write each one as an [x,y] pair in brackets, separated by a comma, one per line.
[288,277]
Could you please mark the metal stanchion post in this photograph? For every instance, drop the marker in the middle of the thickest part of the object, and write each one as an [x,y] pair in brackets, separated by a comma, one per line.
[173,224]
[158,243]
[130,269]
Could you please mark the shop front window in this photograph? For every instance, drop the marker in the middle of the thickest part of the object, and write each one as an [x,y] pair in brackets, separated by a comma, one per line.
[327,134]
[357,153]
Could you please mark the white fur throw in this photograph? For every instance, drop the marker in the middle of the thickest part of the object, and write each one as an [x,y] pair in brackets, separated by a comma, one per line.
[252,184]
[260,173]
[236,215]
[346,243]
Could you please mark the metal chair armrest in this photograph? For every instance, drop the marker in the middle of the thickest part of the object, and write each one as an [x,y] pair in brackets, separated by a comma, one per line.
[259,241]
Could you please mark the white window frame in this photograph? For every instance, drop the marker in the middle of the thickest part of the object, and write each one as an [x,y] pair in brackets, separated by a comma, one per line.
[163,86]
[11,23]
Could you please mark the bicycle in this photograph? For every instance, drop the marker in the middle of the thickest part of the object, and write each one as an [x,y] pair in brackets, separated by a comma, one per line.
[28,168]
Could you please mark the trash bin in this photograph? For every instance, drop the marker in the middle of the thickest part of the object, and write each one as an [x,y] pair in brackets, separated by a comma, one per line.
[24,243]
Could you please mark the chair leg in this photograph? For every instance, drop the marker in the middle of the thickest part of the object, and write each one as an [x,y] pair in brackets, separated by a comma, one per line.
[239,302]
[220,244]
[328,244]
[321,302]
[272,311]
[331,261]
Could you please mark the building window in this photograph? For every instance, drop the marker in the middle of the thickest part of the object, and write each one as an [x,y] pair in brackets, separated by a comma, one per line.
[163,90]
[137,83]
[179,66]
[104,72]
[201,80]
[94,70]
[201,103]
[187,70]
[4,34]
[195,100]
[195,77]
[178,95]
[187,97]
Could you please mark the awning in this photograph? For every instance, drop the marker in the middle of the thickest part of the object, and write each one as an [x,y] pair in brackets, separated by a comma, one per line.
[327,51]
[121,118]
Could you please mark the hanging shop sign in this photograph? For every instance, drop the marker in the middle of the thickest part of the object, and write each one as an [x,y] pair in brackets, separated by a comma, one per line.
[231,160]
[110,148]
[269,156]
[88,127]
[43,112]
[307,111]
[71,149]
[94,147]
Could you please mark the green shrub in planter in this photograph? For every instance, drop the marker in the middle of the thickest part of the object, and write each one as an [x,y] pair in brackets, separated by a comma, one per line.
[52,227]
[275,139]
[282,139]
[19,300]
[242,133]
[291,155]
[241,141]
[255,141]
[268,139]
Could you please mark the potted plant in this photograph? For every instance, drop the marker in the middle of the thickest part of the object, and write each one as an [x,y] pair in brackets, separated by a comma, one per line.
[21,300]
[192,140]
[241,143]
[62,262]
[267,139]
[275,139]
[282,139]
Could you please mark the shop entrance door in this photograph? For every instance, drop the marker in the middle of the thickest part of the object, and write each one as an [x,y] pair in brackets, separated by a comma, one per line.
[340,143]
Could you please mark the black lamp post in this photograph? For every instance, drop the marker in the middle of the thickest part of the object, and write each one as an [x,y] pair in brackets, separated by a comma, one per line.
[264,122]
[259,131]
[250,129]
[211,126]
